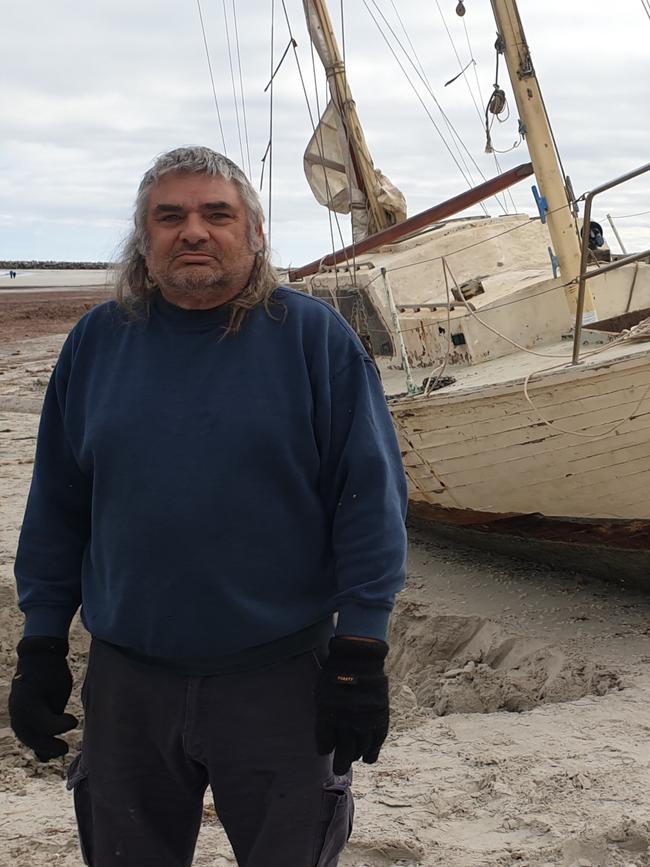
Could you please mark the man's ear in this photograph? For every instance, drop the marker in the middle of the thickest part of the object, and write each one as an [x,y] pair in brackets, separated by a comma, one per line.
[259,238]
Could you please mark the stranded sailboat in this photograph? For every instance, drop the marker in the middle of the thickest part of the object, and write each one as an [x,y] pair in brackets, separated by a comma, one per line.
[524,420]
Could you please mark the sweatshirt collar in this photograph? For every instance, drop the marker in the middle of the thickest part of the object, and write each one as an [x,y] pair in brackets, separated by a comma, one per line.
[191,319]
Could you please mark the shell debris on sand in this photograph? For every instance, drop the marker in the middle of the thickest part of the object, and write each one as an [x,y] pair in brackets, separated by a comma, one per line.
[521,701]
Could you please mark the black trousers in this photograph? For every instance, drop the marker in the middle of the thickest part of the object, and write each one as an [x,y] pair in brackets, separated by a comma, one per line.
[154,740]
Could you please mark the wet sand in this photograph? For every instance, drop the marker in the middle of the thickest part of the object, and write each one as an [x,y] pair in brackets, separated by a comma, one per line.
[521,696]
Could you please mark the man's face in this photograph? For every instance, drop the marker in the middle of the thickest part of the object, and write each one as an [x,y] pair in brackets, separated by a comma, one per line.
[199,251]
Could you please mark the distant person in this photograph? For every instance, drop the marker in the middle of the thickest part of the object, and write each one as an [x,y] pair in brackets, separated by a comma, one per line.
[216,477]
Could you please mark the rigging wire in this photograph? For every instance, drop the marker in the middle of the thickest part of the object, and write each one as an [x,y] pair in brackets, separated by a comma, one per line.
[646,7]
[527,63]
[471,246]
[269,150]
[507,193]
[456,138]
[467,180]
[408,38]
[311,118]
[460,63]
[469,87]
[627,216]
[241,90]
[214,89]
[566,359]
[353,271]
[232,82]
[424,79]
[478,243]
[321,151]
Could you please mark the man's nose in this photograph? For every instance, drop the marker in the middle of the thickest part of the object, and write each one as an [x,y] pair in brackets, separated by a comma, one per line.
[194,229]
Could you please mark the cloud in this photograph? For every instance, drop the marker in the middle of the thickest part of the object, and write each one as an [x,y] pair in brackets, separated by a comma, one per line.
[92,93]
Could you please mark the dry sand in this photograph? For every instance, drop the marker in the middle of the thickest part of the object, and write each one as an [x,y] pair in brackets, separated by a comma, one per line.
[521,725]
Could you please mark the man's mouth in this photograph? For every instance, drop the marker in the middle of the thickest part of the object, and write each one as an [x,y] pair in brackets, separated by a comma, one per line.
[196,258]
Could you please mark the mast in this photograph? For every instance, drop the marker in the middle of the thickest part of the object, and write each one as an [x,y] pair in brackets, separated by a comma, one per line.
[342,98]
[539,138]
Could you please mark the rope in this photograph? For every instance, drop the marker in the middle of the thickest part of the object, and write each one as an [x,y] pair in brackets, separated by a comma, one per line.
[475,315]
[280,62]
[496,106]
[646,7]
[469,87]
[636,333]
[214,90]
[507,193]
[554,426]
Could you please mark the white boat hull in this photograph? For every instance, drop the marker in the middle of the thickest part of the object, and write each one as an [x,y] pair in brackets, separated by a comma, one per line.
[483,458]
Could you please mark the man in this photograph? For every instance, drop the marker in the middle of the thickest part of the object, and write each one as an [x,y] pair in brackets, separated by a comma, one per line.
[217,481]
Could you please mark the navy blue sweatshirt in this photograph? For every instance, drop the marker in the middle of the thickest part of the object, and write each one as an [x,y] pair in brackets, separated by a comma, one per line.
[201,493]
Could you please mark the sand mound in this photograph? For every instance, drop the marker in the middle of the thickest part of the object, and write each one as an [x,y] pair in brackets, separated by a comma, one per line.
[456,664]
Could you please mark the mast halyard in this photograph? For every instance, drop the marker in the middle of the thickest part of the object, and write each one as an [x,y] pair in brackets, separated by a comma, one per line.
[366,178]
[539,138]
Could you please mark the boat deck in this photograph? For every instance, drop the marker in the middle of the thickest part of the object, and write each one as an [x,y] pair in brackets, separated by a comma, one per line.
[549,361]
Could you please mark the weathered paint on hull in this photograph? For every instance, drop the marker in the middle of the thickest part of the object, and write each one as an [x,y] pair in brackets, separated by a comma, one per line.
[483,467]
[616,551]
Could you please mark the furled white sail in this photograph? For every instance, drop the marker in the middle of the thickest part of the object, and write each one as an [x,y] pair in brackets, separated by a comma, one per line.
[328,160]
[330,174]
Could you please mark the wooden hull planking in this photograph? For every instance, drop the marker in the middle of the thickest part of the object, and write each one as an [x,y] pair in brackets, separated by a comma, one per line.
[484,462]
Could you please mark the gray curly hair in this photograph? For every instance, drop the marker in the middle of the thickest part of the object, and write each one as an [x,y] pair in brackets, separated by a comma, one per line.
[133,284]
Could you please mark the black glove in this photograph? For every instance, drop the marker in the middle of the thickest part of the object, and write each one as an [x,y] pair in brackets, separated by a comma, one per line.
[39,693]
[352,702]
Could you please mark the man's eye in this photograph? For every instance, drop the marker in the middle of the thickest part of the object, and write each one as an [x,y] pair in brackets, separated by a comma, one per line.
[219,215]
[169,218]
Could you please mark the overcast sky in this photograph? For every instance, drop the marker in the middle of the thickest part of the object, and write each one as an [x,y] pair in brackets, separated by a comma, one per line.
[91,92]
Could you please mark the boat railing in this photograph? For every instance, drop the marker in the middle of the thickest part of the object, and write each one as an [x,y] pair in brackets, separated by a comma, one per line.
[619,263]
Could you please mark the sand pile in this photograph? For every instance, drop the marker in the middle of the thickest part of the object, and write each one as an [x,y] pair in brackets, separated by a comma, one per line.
[455,664]
[521,728]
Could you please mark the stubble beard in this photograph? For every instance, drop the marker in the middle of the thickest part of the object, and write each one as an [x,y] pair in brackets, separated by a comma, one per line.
[200,284]
[191,281]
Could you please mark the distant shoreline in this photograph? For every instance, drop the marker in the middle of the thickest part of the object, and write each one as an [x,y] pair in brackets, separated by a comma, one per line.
[33,265]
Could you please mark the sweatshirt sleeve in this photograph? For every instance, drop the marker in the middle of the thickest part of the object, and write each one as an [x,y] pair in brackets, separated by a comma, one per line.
[56,526]
[365,490]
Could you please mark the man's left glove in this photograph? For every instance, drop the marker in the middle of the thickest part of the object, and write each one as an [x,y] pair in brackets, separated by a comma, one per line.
[39,693]
[352,701]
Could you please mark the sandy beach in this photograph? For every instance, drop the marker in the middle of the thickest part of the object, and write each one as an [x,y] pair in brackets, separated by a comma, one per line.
[521,696]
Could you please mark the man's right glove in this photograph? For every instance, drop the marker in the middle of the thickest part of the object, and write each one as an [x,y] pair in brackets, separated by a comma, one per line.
[39,693]
[352,701]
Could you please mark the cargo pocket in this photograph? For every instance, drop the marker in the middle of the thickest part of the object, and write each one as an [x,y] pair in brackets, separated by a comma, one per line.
[78,784]
[335,827]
